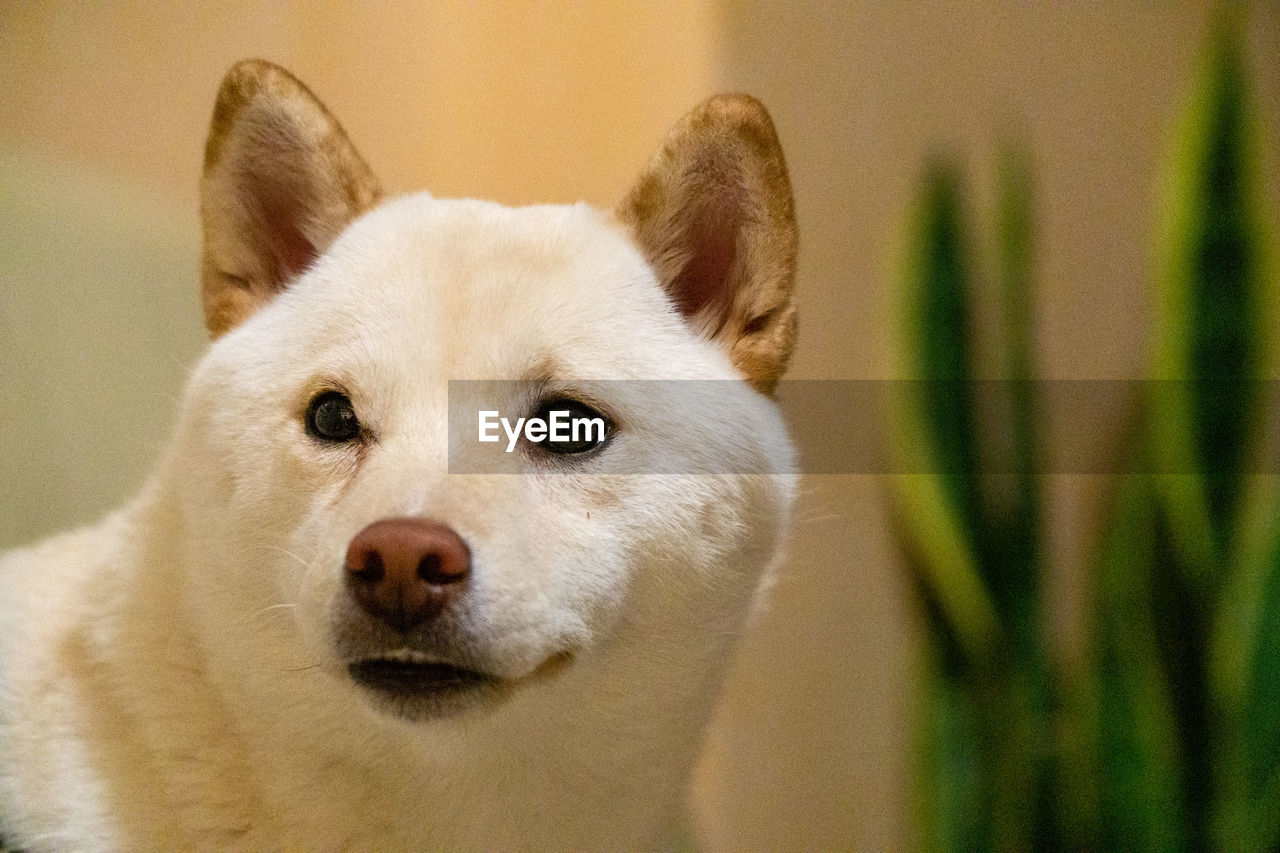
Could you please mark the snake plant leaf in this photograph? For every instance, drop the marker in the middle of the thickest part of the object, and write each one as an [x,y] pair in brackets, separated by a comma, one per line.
[1016,250]
[1246,679]
[1140,798]
[953,784]
[1214,304]
[1011,513]
[1260,715]
[932,429]
[1076,761]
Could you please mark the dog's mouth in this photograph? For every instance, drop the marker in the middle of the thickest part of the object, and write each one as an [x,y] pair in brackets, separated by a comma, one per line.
[418,687]
[407,677]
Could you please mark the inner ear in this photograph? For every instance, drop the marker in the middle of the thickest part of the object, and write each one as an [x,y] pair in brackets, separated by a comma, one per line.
[714,216]
[702,288]
[278,220]
[281,181]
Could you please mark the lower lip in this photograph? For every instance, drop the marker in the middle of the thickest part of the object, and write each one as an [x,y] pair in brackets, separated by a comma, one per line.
[406,676]
[421,683]
[421,691]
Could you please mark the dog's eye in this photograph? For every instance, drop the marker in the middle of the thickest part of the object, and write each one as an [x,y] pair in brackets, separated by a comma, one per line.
[572,426]
[331,417]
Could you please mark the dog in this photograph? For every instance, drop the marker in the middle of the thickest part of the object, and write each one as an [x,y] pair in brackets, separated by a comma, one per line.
[315,628]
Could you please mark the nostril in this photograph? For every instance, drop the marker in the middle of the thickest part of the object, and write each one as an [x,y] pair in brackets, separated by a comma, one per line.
[369,568]
[365,566]
[429,570]
[444,566]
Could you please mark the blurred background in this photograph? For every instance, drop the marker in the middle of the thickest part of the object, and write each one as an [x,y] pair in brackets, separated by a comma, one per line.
[103,114]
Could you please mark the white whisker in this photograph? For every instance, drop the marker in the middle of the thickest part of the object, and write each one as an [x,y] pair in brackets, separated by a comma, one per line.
[288,553]
[817,518]
[274,607]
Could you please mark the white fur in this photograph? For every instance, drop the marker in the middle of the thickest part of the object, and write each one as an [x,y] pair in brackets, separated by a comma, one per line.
[168,678]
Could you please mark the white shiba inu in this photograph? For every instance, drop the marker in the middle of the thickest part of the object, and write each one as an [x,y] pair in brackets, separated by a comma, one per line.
[306,632]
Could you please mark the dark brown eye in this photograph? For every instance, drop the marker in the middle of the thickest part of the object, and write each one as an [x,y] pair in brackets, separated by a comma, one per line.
[331,417]
[572,426]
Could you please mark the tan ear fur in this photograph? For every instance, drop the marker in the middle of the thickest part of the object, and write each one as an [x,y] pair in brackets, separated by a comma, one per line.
[281,181]
[714,216]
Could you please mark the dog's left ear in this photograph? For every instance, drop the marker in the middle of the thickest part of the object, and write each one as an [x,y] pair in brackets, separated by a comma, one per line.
[713,214]
[281,181]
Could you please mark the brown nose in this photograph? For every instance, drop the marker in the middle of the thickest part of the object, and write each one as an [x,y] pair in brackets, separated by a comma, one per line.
[406,570]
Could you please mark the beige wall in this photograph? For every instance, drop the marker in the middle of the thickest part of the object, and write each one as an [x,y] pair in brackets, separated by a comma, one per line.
[102,116]
[519,102]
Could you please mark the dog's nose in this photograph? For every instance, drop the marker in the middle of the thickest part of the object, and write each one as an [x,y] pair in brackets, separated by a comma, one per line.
[405,571]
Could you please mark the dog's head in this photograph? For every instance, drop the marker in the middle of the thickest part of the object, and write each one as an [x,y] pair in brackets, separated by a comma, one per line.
[312,465]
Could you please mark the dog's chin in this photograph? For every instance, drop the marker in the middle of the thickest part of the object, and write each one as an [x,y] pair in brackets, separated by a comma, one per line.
[416,688]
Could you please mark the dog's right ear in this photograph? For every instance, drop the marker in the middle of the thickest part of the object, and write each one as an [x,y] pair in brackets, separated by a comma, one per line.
[281,181]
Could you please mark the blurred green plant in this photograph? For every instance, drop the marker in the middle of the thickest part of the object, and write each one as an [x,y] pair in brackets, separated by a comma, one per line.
[1170,738]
